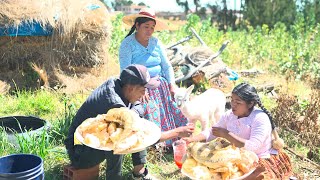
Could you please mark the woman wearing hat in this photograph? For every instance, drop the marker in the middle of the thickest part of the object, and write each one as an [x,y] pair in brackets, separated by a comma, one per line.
[140,47]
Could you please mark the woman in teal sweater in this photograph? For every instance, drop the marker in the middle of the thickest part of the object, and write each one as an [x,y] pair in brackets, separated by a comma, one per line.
[140,47]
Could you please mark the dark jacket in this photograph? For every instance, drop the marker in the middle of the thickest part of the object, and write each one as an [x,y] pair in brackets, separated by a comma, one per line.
[107,96]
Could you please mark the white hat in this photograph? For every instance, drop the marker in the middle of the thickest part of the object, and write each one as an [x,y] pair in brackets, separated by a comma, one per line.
[145,12]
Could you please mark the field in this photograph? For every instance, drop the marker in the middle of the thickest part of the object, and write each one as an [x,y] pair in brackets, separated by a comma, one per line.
[289,60]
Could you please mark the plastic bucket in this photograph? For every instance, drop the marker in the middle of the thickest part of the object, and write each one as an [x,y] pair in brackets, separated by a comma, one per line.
[21,167]
[22,126]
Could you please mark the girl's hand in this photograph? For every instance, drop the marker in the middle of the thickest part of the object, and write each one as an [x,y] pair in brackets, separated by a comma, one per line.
[219,132]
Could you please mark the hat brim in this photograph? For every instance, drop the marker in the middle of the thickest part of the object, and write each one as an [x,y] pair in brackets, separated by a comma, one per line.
[129,20]
[153,83]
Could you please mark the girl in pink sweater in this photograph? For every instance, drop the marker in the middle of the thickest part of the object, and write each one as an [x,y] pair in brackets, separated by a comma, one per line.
[249,127]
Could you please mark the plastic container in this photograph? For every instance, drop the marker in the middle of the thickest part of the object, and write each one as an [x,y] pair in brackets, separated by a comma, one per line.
[179,151]
[22,126]
[21,167]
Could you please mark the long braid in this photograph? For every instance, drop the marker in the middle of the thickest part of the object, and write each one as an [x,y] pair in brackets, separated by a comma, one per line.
[267,112]
[277,142]
[133,28]
[249,94]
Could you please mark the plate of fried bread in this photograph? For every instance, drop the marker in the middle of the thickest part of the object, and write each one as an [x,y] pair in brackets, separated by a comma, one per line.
[120,130]
[218,159]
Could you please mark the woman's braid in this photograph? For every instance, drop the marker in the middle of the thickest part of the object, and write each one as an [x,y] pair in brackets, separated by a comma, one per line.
[133,28]
[267,112]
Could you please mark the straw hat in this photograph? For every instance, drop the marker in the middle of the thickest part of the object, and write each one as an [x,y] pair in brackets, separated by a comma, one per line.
[145,12]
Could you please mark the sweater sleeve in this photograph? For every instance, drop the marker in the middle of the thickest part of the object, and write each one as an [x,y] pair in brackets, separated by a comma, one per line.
[208,132]
[125,54]
[260,130]
[167,69]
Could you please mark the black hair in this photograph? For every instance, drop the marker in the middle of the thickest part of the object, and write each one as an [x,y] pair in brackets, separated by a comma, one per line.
[139,20]
[249,93]
[130,81]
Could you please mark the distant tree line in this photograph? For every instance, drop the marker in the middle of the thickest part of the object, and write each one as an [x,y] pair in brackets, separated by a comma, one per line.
[257,12]
[252,12]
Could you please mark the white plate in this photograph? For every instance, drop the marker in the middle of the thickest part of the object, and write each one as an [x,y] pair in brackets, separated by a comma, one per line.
[245,175]
[186,174]
[238,178]
[152,136]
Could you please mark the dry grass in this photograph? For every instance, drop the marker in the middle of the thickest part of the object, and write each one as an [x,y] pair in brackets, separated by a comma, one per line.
[80,39]
[174,24]
[88,79]
[70,15]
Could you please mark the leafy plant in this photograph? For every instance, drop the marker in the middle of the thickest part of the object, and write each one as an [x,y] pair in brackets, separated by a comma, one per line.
[61,126]
[5,146]
[118,34]
[34,143]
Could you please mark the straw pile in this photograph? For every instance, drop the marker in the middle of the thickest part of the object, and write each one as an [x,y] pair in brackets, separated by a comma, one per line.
[79,40]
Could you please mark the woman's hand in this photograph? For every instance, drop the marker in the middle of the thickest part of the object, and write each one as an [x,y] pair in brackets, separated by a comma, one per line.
[182,131]
[219,132]
[185,131]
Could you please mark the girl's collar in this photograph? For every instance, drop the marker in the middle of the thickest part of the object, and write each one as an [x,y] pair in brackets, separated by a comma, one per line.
[253,109]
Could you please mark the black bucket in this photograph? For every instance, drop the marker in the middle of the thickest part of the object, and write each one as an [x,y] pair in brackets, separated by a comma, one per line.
[22,125]
[21,167]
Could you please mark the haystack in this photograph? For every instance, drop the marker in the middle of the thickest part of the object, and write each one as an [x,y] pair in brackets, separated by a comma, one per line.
[76,43]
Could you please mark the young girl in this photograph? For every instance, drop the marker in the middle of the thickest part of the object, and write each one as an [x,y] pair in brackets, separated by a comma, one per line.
[250,127]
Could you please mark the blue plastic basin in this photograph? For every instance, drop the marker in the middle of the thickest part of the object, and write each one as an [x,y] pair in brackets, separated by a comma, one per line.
[21,166]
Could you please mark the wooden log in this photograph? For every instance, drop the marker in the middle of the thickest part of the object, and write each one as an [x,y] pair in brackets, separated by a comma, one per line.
[302,157]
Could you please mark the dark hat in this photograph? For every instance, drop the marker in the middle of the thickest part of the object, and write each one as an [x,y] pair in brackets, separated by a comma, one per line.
[138,75]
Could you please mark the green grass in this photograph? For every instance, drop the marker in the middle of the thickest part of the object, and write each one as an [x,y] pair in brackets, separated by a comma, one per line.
[58,109]
[61,109]
[41,103]
[276,51]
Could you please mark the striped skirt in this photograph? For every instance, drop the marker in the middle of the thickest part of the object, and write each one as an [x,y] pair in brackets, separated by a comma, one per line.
[277,166]
[162,110]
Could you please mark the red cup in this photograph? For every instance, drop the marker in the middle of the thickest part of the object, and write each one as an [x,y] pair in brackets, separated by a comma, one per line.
[179,151]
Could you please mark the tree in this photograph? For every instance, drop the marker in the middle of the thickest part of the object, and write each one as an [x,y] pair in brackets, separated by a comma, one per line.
[120,3]
[197,4]
[142,4]
[214,12]
[259,12]
[202,12]
[310,12]
[185,5]
[223,16]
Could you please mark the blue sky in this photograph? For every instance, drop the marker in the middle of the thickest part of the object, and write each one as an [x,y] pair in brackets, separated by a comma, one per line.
[171,5]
